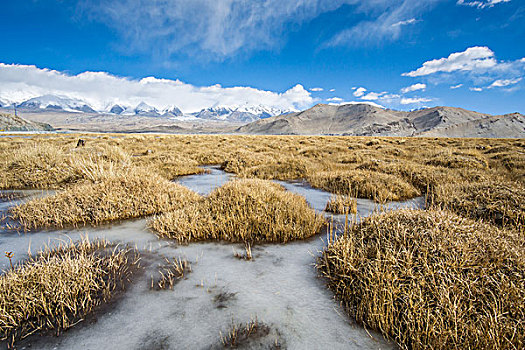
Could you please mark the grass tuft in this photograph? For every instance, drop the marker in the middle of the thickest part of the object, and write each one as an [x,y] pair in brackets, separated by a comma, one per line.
[339,204]
[499,202]
[57,288]
[431,280]
[116,196]
[169,274]
[247,210]
[364,184]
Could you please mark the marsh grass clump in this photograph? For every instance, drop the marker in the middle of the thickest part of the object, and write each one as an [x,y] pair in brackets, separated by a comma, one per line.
[49,165]
[341,204]
[243,334]
[457,159]
[57,288]
[246,210]
[116,196]
[247,255]
[431,280]
[499,202]
[170,273]
[380,187]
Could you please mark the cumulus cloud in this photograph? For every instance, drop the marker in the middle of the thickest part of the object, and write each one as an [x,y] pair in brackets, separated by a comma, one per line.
[101,89]
[334,99]
[477,89]
[481,4]
[414,87]
[476,65]
[473,58]
[504,82]
[408,101]
[372,95]
[358,92]
[316,89]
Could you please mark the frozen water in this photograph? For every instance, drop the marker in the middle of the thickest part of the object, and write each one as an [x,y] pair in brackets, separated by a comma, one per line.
[206,182]
[279,287]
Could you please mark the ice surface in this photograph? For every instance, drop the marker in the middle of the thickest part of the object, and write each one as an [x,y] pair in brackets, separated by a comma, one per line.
[279,287]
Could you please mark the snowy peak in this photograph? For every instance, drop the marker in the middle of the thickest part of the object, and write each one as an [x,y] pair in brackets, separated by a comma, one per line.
[239,113]
[52,102]
[171,111]
[116,109]
[144,108]
[227,113]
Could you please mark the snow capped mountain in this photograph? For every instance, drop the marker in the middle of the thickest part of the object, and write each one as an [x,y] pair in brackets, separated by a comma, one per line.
[145,109]
[52,102]
[239,113]
[4,103]
[171,111]
[235,113]
[116,109]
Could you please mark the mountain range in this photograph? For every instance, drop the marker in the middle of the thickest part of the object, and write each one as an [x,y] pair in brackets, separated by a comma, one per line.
[368,120]
[233,114]
[354,119]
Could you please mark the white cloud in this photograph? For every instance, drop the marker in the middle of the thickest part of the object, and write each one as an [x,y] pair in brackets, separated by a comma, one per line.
[414,87]
[100,89]
[334,99]
[473,58]
[504,82]
[331,90]
[372,96]
[208,29]
[408,101]
[453,87]
[359,91]
[477,89]
[316,89]
[482,3]
[404,23]
[387,26]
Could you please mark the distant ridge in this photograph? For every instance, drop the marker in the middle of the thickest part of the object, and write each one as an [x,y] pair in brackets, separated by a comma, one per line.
[10,122]
[368,120]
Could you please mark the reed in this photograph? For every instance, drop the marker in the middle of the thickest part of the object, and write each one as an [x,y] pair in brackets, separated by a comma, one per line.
[431,280]
[339,204]
[170,273]
[380,187]
[498,202]
[116,195]
[55,289]
[247,210]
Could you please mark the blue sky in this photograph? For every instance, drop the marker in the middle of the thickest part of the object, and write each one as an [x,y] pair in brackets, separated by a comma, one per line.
[399,54]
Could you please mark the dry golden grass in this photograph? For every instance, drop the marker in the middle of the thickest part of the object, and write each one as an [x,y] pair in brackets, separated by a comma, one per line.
[116,195]
[240,335]
[381,168]
[497,202]
[55,289]
[341,204]
[170,273]
[34,165]
[248,210]
[380,187]
[432,280]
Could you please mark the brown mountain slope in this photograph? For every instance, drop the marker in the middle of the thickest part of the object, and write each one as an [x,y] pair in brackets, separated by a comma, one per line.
[367,120]
[10,122]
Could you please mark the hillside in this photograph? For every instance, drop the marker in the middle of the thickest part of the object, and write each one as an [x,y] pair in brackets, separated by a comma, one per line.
[10,122]
[367,120]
